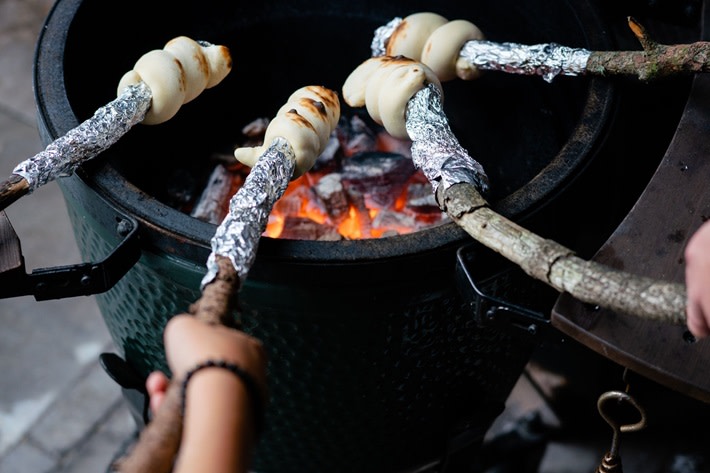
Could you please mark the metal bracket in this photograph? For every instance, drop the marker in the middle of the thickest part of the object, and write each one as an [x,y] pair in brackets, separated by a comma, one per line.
[66,281]
[508,280]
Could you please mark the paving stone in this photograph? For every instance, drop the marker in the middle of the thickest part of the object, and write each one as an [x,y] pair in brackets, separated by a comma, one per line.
[20,23]
[27,458]
[77,413]
[45,344]
[101,448]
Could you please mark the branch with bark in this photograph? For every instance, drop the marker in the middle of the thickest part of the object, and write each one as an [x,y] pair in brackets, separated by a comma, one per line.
[556,265]
[458,49]
[655,61]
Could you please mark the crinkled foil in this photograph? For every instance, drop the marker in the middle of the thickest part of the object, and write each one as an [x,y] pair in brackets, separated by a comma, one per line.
[435,149]
[547,60]
[98,133]
[382,35]
[237,237]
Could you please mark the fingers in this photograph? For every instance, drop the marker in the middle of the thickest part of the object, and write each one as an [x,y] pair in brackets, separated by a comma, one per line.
[697,280]
[698,320]
[189,341]
[156,384]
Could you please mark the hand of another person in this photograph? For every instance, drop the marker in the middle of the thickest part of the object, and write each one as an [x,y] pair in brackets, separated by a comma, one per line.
[223,410]
[189,342]
[697,281]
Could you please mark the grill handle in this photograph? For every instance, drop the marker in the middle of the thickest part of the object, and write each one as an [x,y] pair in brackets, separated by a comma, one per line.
[488,283]
[66,281]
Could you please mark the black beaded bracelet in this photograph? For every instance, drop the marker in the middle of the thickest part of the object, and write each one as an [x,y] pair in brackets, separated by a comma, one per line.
[252,388]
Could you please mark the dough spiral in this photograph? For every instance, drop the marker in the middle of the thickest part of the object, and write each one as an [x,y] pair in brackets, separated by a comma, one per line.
[436,42]
[384,85]
[306,121]
[177,74]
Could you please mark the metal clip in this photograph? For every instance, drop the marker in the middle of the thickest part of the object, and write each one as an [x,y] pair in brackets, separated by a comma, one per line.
[611,462]
[65,281]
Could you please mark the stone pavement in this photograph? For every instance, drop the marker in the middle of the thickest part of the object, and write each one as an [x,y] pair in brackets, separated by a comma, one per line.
[59,411]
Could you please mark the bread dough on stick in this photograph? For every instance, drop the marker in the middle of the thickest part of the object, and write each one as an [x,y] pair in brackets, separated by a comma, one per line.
[310,103]
[443,48]
[177,74]
[306,121]
[388,83]
[437,42]
[411,34]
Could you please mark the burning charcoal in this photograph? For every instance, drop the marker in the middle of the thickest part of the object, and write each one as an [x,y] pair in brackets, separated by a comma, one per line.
[390,144]
[355,136]
[292,201]
[379,176]
[330,192]
[420,198]
[257,128]
[358,223]
[427,220]
[254,132]
[223,158]
[212,205]
[327,158]
[390,223]
[302,228]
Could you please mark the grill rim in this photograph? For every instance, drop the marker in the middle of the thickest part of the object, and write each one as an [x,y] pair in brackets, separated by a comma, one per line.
[163,225]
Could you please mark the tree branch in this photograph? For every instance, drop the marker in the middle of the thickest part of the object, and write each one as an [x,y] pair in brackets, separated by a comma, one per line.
[558,266]
[654,61]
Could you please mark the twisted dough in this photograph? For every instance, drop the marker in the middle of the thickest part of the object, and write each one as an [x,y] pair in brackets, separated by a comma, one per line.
[306,121]
[436,42]
[384,85]
[177,74]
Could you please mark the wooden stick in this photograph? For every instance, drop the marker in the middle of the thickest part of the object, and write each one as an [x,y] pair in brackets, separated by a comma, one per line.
[234,249]
[66,153]
[159,441]
[473,55]
[175,75]
[654,62]
[456,177]
[12,189]
[558,266]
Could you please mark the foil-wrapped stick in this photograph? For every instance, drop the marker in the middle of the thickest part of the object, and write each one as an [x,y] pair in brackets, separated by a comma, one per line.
[458,183]
[458,48]
[295,140]
[160,82]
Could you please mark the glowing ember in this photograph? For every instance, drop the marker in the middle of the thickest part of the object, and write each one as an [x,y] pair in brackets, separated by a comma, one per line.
[364,185]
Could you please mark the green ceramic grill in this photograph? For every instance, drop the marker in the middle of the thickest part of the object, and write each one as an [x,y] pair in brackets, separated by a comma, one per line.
[376,362]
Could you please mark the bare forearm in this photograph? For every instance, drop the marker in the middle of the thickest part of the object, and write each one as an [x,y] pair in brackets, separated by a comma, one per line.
[218,434]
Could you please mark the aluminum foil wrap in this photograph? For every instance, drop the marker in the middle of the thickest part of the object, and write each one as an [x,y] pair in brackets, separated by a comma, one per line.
[547,60]
[435,149]
[91,137]
[237,237]
[382,35]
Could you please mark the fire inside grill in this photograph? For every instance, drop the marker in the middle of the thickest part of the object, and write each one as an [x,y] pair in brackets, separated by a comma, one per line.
[364,185]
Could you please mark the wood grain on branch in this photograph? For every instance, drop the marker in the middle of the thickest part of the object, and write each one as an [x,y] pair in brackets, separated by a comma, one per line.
[159,441]
[654,61]
[12,189]
[558,266]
